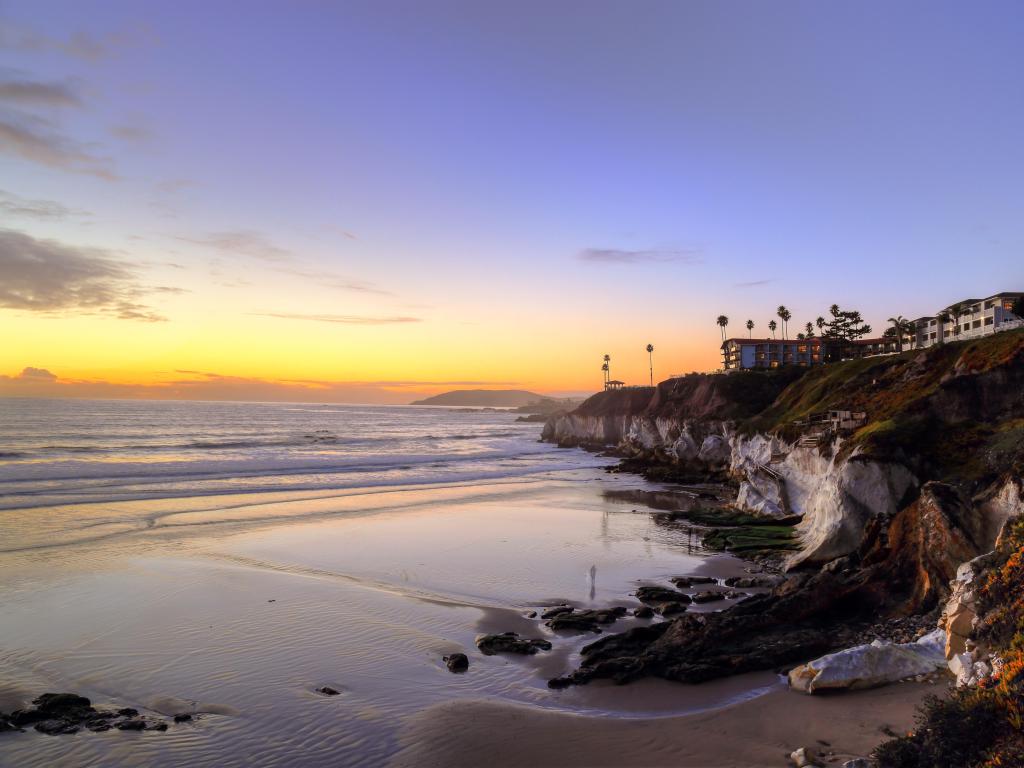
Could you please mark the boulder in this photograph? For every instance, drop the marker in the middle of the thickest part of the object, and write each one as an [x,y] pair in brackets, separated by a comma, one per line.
[328,691]
[868,666]
[457,662]
[803,757]
[685,582]
[510,642]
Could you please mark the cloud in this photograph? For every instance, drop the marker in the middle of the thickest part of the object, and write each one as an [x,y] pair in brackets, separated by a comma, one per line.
[343,319]
[50,277]
[333,280]
[242,243]
[32,139]
[134,133]
[16,90]
[36,374]
[752,283]
[39,209]
[619,256]
[38,382]
[80,45]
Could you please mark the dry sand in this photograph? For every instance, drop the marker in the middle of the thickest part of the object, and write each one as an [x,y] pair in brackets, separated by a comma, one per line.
[758,732]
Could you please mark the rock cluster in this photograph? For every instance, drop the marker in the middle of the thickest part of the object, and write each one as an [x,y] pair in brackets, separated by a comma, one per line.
[583,621]
[969,661]
[64,713]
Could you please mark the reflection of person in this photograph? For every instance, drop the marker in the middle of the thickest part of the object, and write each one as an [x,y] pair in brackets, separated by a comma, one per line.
[593,581]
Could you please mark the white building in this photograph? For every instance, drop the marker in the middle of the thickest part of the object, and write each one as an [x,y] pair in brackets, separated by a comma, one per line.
[969,319]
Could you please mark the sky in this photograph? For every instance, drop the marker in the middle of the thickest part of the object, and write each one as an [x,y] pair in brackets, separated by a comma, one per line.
[374,201]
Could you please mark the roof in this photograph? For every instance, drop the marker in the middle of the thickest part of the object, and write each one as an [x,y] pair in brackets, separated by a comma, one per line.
[616,381]
[741,340]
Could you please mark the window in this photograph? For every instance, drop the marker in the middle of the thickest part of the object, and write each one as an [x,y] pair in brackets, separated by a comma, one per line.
[967,326]
[989,304]
[1008,305]
[977,323]
[988,321]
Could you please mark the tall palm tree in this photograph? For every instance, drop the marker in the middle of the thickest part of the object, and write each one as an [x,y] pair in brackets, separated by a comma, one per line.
[772,325]
[607,368]
[899,324]
[820,322]
[784,315]
[650,360]
[722,322]
[910,328]
[810,330]
[750,329]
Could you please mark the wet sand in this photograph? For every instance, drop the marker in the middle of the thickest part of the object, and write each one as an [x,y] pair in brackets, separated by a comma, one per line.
[758,732]
[237,608]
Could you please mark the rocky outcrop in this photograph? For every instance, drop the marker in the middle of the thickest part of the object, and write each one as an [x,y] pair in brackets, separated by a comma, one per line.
[871,665]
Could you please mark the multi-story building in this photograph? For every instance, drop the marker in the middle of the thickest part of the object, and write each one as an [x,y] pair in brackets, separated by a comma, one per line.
[770,353]
[967,320]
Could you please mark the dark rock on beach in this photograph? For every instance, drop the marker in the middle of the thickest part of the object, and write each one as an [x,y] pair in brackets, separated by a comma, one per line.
[66,713]
[685,582]
[183,717]
[328,691]
[644,612]
[131,725]
[457,662]
[653,595]
[550,613]
[586,621]
[510,642]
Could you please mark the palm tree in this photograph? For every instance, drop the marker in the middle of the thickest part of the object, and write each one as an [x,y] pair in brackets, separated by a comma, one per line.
[605,368]
[820,322]
[956,311]
[810,330]
[784,315]
[943,318]
[772,325]
[650,359]
[722,322]
[750,329]
[899,323]
[910,327]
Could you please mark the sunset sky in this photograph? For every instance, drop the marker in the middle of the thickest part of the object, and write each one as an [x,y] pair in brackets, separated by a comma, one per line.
[369,201]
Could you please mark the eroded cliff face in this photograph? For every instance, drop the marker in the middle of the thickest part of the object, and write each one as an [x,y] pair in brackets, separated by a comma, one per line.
[848,491]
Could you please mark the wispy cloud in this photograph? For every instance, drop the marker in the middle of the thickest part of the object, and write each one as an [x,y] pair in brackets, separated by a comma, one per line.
[620,256]
[332,280]
[80,45]
[17,90]
[242,242]
[752,283]
[35,140]
[343,319]
[50,277]
[37,209]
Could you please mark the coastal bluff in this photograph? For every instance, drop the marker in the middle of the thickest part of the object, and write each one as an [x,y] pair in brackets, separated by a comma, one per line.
[887,505]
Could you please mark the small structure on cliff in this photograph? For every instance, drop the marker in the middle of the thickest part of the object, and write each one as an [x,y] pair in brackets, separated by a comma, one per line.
[614,384]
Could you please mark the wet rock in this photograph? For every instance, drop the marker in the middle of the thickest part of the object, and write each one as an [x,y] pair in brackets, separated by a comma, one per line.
[328,691]
[685,582]
[643,612]
[56,727]
[510,642]
[457,662]
[748,582]
[131,725]
[586,621]
[159,726]
[128,712]
[530,614]
[98,726]
[708,596]
[557,610]
[183,717]
[663,600]
[868,666]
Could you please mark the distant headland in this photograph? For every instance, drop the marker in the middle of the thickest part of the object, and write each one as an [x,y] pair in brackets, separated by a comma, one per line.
[487,398]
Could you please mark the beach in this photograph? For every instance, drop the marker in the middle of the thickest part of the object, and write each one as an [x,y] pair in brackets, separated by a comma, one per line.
[232,580]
